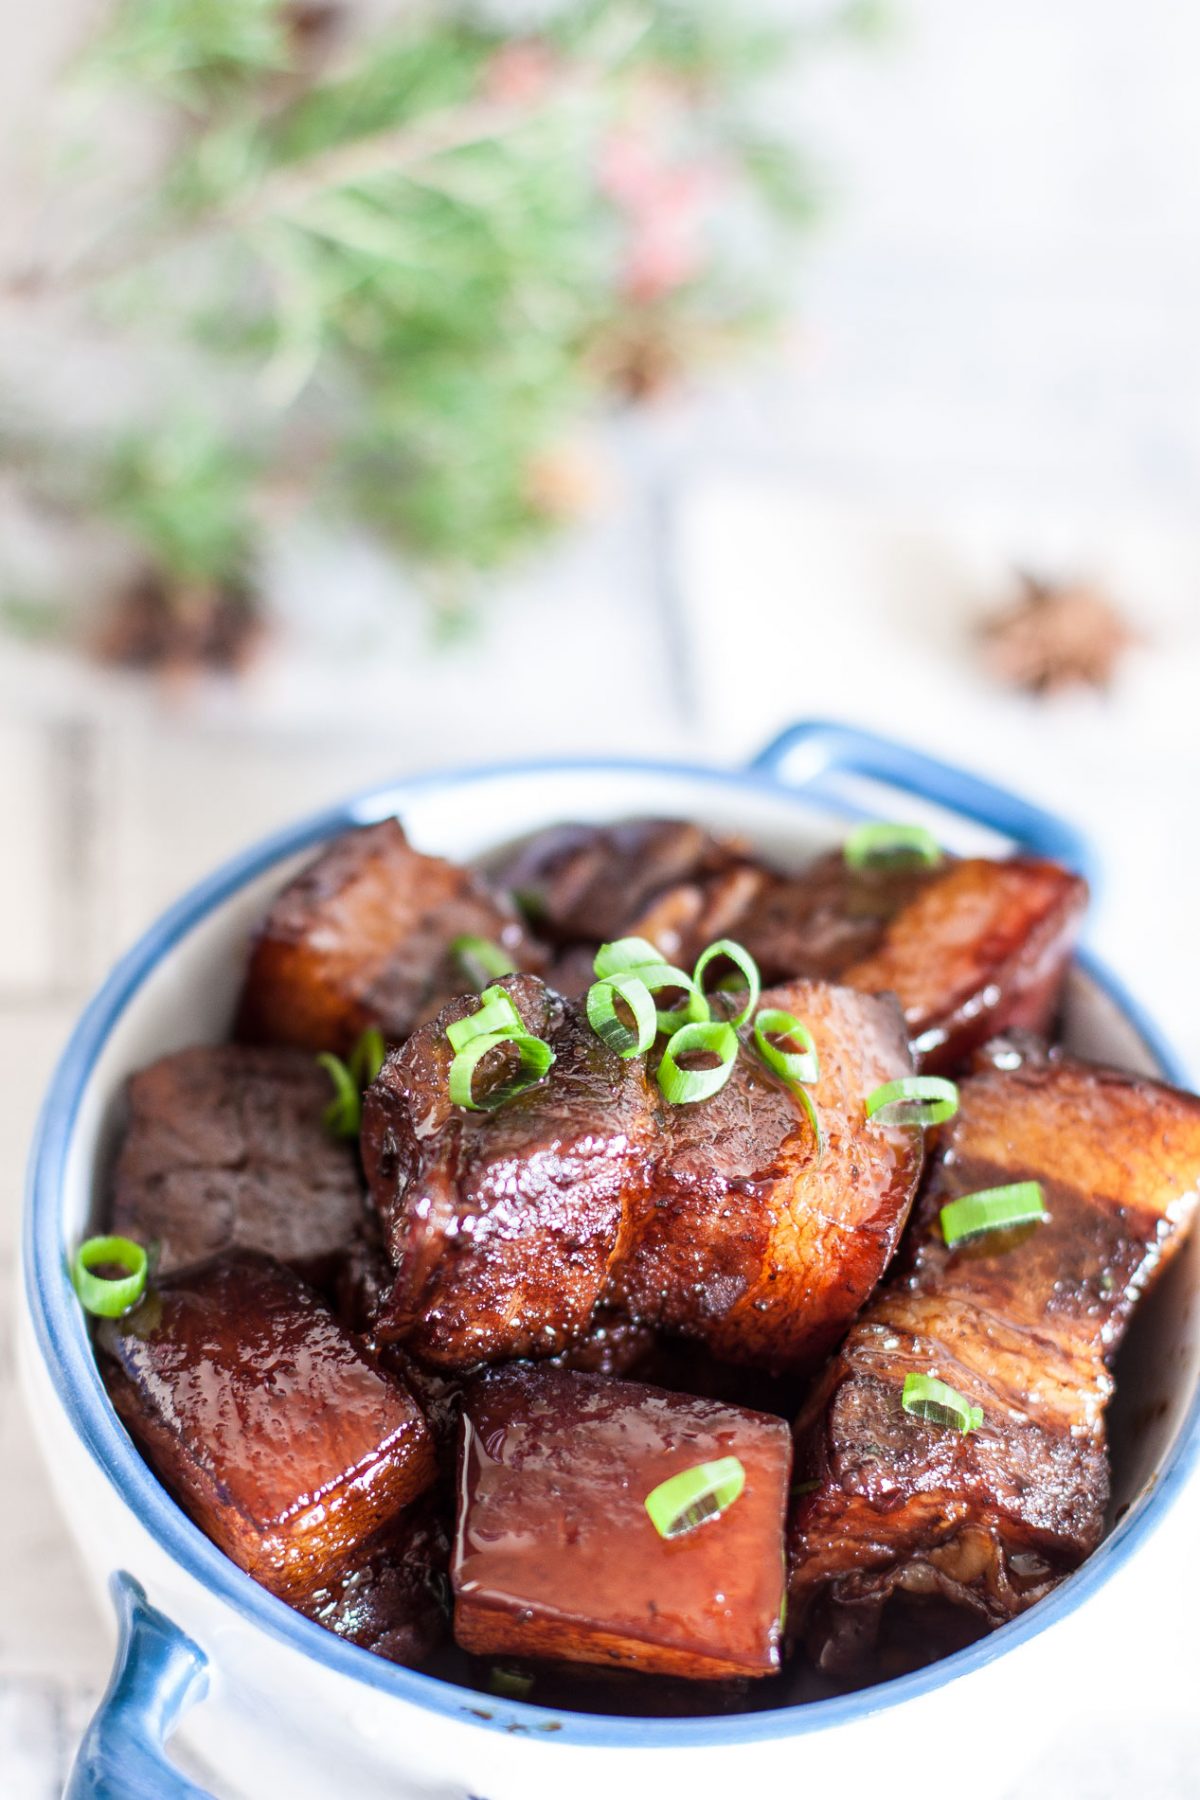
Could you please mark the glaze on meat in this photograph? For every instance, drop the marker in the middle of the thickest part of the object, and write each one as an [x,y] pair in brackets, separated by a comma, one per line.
[362,937]
[225,1149]
[285,1444]
[1024,1324]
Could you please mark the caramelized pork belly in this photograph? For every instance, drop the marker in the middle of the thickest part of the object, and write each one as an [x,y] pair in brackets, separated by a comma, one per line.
[555,1555]
[825,917]
[225,1148]
[981,949]
[503,1226]
[589,883]
[1022,1323]
[284,1443]
[747,1238]
[391,1597]
[362,937]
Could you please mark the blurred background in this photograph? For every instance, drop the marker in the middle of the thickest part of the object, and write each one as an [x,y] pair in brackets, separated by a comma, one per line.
[385,386]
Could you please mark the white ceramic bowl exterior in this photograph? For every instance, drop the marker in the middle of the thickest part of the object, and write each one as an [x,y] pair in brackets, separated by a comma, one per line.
[290,1710]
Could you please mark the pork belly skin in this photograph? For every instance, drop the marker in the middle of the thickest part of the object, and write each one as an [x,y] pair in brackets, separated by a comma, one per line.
[1024,1324]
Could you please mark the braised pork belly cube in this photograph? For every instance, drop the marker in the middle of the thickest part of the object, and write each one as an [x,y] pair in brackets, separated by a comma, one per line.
[752,1237]
[555,1555]
[225,1148]
[391,1597]
[363,937]
[1022,1323]
[503,1225]
[983,948]
[970,948]
[287,1446]
[589,883]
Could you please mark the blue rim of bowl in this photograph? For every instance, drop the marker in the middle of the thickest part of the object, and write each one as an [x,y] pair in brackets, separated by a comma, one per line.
[66,1350]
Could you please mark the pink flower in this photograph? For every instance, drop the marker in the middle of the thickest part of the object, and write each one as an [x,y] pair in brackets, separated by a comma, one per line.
[518,74]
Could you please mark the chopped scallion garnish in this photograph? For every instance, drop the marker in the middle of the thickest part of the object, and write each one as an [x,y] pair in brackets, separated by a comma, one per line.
[774,1031]
[109,1296]
[888,846]
[694,1496]
[367,1057]
[535,1057]
[624,953]
[682,1086]
[915,1100]
[606,1022]
[509,1684]
[746,967]
[496,1013]
[481,961]
[343,1116]
[925,1397]
[992,1209]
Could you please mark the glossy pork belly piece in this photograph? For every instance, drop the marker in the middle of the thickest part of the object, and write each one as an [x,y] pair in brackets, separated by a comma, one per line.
[225,1148]
[392,1596]
[825,917]
[981,949]
[587,883]
[555,1555]
[1022,1323]
[284,1443]
[747,1238]
[503,1225]
[361,937]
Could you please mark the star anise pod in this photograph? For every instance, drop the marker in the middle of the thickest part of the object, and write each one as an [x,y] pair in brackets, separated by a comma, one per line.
[1058,635]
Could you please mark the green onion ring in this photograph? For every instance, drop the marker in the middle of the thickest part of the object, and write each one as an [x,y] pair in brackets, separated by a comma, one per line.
[744,962]
[992,1209]
[109,1299]
[603,1018]
[624,953]
[925,1397]
[509,1684]
[660,976]
[694,1496]
[342,1118]
[536,1058]
[367,1057]
[916,1100]
[682,1086]
[881,845]
[496,1014]
[481,961]
[794,1065]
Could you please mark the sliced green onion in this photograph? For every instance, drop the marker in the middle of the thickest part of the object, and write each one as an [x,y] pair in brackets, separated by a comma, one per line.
[481,960]
[925,1397]
[535,1055]
[496,1014]
[814,1118]
[608,1025]
[343,1116]
[367,1057]
[694,1496]
[109,1297]
[681,1086]
[885,845]
[916,1100]
[659,977]
[794,1065]
[509,1684]
[743,962]
[624,953]
[991,1209]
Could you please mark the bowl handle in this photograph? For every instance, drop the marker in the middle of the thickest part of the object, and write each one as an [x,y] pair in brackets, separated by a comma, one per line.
[809,754]
[157,1675]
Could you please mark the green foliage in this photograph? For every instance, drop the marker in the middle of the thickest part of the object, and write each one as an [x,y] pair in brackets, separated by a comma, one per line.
[412,252]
